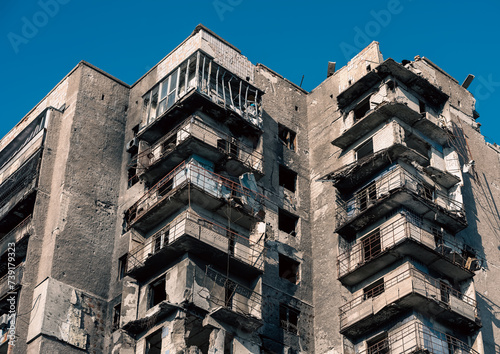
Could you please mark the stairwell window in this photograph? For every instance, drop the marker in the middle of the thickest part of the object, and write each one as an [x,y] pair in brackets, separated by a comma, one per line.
[286,136]
[287,178]
[288,269]
[287,222]
[289,318]
[157,292]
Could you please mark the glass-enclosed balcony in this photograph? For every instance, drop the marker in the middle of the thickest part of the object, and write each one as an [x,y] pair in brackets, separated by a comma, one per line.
[189,183]
[401,238]
[17,193]
[414,338]
[410,289]
[192,233]
[195,135]
[199,82]
[392,190]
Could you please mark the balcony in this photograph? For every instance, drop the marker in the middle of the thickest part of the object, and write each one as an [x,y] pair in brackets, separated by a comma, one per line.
[200,83]
[191,233]
[195,135]
[424,122]
[410,289]
[191,183]
[18,233]
[348,178]
[399,239]
[389,67]
[205,293]
[395,189]
[415,338]
[17,195]
[231,302]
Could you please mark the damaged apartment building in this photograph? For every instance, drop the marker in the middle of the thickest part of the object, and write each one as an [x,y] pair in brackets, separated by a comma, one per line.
[215,207]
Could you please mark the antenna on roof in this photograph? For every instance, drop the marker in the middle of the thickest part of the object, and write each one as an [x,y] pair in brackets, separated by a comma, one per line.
[468,81]
[301,81]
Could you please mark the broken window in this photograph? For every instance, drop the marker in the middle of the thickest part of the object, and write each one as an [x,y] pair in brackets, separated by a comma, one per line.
[438,235]
[122,266]
[157,292]
[379,344]
[362,108]
[372,246]
[288,269]
[421,106]
[160,240]
[289,318]
[229,290]
[286,136]
[287,178]
[445,290]
[287,222]
[374,289]
[116,316]
[132,176]
[153,343]
[367,196]
[364,149]
[426,191]
[227,147]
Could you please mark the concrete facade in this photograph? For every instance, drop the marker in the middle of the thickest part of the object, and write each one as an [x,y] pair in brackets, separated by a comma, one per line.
[215,207]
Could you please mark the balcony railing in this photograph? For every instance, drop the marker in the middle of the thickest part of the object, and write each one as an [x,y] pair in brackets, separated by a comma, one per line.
[372,247]
[190,224]
[391,182]
[24,225]
[196,128]
[189,173]
[411,281]
[415,338]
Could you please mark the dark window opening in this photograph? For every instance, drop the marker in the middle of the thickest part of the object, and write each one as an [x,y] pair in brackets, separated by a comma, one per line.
[135,130]
[116,316]
[427,192]
[160,240]
[362,108]
[391,85]
[438,235]
[445,291]
[421,106]
[227,147]
[368,68]
[287,222]
[288,269]
[372,246]
[418,145]
[454,345]
[367,196]
[364,149]
[378,345]
[286,136]
[296,108]
[132,176]
[168,145]
[153,343]
[122,266]
[289,318]
[165,187]
[157,292]
[287,178]
[374,290]
[102,97]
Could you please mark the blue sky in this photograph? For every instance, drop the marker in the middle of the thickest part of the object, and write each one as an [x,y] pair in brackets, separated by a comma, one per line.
[41,41]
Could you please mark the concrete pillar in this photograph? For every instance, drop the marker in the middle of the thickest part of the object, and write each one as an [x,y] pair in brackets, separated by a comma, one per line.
[217,337]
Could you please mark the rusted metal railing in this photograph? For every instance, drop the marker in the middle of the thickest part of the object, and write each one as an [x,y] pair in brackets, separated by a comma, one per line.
[396,179]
